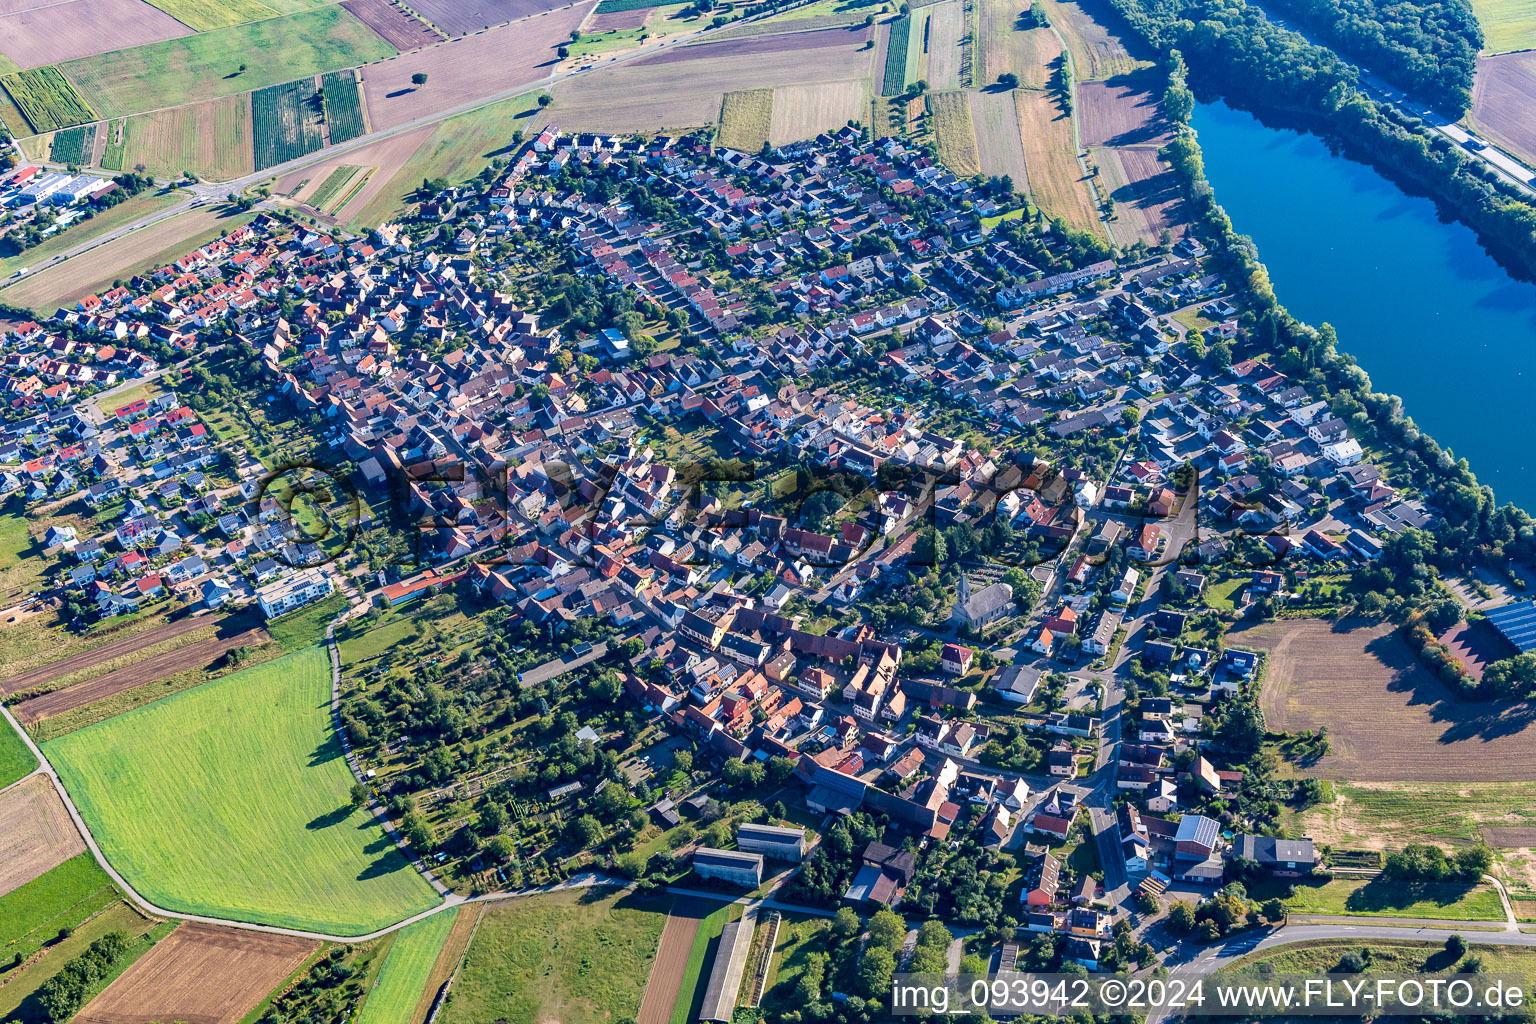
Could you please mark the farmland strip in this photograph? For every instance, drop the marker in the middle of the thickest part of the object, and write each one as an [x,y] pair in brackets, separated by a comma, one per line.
[896,56]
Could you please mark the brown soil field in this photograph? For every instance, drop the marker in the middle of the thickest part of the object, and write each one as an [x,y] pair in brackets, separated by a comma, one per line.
[457,17]
[609,20]
[792,42]
[1503,96]
[106,652]
[1389,718]
[453,948]
[36,833]
[1055,178]
[630,98]
[199,655]
[386,157]
[995,119]
[804,111]
[671,961]
[1510,838]
[1098,38]
[946,24]
[1145,191]
[1122,112]
[393,25]
[1005,47]
[199,974]
[466,69]
[46,33]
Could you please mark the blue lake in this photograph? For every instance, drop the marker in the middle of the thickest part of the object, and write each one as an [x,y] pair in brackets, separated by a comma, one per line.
[1418,303]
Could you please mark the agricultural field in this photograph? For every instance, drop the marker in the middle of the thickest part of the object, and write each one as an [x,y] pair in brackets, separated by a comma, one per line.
[48,32]
[466,69]
[19,997]
[457,17]
[804,111]
[16,761]
[207,818]
[200,972]
[125,212]
[402,981]
[946,24]
[690,996]
[1055,178]
[577,957]
[1007,48]
[332,188]
[796,42]
[36,833]
[73,145]
[954,133]
[32,913]
[995,120]
[401,30]
[381,161]
[1378,897]
[746,118]
[211,139]
[46,99]
[287,122]
[207,65]
[1123,111]
[1503,97]
[1100,42]
[666,978]
[900,41]
[774,26]
[343,106]
[1507,24]
[1146,192]
[1389,718]
[208,15]
[107,655]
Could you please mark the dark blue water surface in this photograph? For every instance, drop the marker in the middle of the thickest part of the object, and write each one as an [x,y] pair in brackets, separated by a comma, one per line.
[1426,312]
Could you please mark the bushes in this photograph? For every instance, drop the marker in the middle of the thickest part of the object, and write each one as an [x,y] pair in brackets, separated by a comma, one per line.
[63,994]
[1421,862]
[896,56]
[343,109]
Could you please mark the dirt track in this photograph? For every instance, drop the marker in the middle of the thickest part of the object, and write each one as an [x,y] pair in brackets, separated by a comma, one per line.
[666,978]
[161,666]
[36,834]
[1389,718]
[199,974]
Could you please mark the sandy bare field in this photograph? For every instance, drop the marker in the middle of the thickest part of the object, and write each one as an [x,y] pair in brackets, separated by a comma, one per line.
[1123,111]
[468,68]
[1145,190]
[199,974]
[1389,718]
[1503,98]
[33,33]
[396,27]
[36,834]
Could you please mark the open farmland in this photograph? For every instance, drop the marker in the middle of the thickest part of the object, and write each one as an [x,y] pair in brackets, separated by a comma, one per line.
[804,111]
[207,15]
[331,188]
[46,99]
[457,17]
[1389,718]
[661,988]
[212,139]
[1055,178]
[1146,192]
[618,21]
[772,26]
[47,32]
[382,196]
[20,998]
[995,120]
[792,42]
[946,24]
[1507,24]
[32,913]
[36,834]
[408,966]
[343,106]
[1005,47]
[466,69]
[103,654]
[207,65]
[16,760]
[1123,111]
[286,122]
[200,974]
[401,30]
[896,47]
[577,957]
[200,656]
[144,204]
[953,132]
[205,815]
[1502,100]
[1098,38]
[74,145]
[745,118]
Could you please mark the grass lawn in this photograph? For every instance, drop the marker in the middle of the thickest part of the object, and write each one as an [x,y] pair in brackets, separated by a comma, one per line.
[231,800]
[577,957]
[18,1002]
[1378,897]
[406,969]
[16,761]
[799,937]
[202,66]
[142,205]
[1222,596]
[1389,956]
[32,914]
[1507,24]
[306,626]
[744,119]
[1193,321]
[690,994]
[108,403]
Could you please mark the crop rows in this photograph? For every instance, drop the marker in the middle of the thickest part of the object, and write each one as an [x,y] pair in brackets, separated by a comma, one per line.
[333,183]
[896,56]
[285,122]
[614,6]
[74,145]
[343,106]
[46,99]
